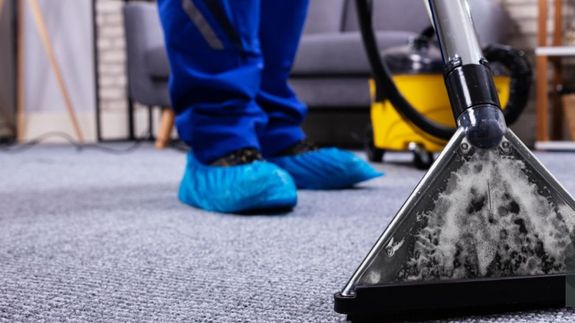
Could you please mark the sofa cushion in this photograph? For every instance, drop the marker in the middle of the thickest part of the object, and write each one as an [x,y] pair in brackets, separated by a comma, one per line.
[324,16]
[318,54]
[410,15]
[492,22]
[335,53]
[157,62]
[340,53]
[332,92]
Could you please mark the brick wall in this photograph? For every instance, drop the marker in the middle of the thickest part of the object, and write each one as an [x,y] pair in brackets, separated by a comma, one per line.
[111,50]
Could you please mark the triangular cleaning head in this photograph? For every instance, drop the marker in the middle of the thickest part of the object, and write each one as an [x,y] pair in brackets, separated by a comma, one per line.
[477,218]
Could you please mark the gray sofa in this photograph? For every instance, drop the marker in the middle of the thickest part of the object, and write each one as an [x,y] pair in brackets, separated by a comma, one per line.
[331,69]
[147,62]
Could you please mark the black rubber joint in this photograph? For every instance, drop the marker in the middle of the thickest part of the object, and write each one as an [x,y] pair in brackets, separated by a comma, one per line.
[470,86]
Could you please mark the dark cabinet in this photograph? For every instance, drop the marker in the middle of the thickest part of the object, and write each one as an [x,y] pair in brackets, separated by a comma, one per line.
[8,46]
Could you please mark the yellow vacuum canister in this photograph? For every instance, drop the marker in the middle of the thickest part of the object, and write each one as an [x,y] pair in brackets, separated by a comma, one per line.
[417,73]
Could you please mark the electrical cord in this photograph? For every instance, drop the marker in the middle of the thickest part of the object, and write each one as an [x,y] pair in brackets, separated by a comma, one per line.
[17,148]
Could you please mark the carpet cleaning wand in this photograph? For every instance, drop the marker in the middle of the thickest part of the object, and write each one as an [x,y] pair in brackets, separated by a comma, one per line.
[487,229]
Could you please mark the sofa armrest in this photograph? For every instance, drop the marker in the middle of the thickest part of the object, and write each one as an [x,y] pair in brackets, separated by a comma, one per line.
[143,36]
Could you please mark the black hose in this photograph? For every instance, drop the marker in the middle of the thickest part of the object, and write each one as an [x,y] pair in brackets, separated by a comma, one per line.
[514,60]
[521,78]
[385,83]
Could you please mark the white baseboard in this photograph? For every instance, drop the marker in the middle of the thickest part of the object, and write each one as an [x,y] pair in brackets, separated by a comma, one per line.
[42,123]
[114,124]
[555,145]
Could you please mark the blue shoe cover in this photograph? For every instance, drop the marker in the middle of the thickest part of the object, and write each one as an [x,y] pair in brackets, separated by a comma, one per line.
[326,168]
[256,186]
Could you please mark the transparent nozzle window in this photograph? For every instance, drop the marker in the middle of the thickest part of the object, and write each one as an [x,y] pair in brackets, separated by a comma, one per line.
[477,214]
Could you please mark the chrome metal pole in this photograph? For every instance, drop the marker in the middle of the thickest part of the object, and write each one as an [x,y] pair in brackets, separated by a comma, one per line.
[455,30]
[472,93]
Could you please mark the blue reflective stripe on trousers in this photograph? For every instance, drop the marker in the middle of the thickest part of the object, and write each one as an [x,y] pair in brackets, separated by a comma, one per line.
[230,62]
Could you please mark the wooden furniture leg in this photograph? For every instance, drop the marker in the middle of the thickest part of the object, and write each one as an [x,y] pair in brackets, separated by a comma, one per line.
[557,132]
[541,76]
[166,126]
[557,110]
[569,112]
[542,99]
[47,43]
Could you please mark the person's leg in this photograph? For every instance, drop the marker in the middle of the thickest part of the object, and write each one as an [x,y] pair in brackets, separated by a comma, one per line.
[281,28]
[216,66]
[281,140]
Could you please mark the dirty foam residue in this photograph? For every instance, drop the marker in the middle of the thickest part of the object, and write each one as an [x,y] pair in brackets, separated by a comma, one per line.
[491,221]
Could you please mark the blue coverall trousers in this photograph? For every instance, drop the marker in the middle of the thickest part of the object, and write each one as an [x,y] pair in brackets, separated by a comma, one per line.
[230,62]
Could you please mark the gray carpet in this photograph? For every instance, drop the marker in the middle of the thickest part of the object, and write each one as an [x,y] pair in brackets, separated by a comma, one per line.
[89,236]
